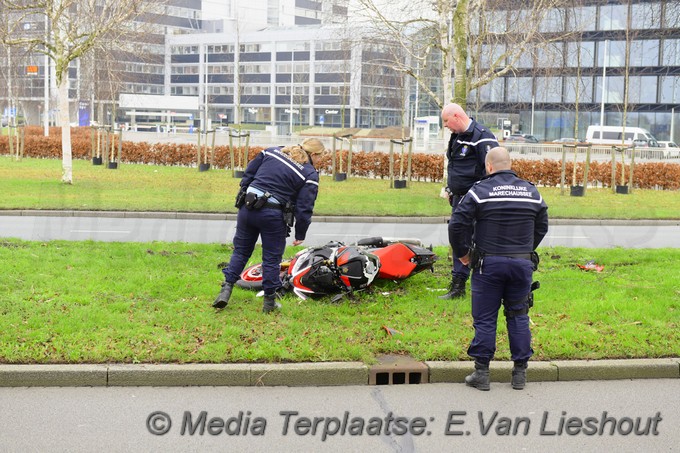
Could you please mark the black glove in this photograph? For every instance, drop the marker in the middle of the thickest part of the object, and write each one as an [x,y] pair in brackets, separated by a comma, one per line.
[450,194]
[535,259]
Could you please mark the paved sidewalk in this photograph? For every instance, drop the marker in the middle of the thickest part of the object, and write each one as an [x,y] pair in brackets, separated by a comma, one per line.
[318,374]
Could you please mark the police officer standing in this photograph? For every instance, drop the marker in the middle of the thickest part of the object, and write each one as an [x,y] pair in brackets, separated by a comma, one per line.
[466,152]
[278,183]
[505,218]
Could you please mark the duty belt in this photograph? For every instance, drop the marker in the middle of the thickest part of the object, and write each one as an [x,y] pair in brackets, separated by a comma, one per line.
[526,256]
[273,206]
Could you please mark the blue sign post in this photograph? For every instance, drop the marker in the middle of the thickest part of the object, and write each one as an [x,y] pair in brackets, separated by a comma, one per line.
[84,113]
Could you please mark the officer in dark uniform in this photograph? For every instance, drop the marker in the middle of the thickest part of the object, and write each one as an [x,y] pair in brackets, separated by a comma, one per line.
[278,183]
[466,152]
[505,218]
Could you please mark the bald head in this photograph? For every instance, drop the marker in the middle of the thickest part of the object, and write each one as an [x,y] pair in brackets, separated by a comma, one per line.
[497,159]
[454,118]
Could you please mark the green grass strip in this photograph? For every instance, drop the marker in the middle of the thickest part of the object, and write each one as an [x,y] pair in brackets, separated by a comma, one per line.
[94,302]
[35,184]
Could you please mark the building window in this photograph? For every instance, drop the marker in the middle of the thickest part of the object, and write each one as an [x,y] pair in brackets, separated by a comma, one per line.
[582,19]
[587,52]
[493,91]
[585,90]
[672,14]
[549,89]
[553,21]
[224,48]
[328,45]
[490,54]
[614,93]
[252,68]
[327,90]
[642,90]
[551,55]
[184,70]
[613,17]
[670,90]
[221,69]
[616,54]
[645,16]
[300,67]
[670,55]
[644,53]
[520,89]
[332,67]
[254,90]
[184,50]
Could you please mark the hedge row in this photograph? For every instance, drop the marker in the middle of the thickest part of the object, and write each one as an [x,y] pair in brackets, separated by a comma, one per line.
[424,167]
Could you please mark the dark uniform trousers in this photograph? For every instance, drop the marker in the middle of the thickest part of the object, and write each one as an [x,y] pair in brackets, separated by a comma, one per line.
[501,278]
[459,271]
[268,224]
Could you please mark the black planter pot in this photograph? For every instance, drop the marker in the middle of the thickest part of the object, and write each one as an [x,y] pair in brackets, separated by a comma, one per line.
[203,167]
[113,165]
[399,183]
[238,173]
[96,161]
[622,190]
[340,176]
[576,191]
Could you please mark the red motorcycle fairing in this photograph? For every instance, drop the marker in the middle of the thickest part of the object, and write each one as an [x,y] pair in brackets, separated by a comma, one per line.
[328,270]
[400,260]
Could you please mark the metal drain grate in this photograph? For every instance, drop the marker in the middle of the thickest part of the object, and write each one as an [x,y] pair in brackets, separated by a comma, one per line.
[397,369]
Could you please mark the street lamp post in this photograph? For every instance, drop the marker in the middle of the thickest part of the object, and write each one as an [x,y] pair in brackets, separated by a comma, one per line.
[604,87]
[292,76]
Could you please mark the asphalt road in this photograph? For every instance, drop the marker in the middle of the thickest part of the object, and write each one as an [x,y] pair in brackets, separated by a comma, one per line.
[212,230]
[586,416]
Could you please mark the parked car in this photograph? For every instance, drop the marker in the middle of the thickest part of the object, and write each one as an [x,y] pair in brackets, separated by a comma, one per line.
[565,140]
[669,149]
[649,148]
[521,138]
[222,130]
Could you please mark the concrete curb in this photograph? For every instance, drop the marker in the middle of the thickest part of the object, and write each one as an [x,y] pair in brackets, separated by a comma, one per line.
[315,374]
[53,375]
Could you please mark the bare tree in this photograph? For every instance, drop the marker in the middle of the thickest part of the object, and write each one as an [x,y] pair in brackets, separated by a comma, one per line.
[73,29]
[383,88]
[459,33]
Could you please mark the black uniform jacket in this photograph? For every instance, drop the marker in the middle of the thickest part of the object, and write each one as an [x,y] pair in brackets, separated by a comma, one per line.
[466,153]
[502,214]
[275,172]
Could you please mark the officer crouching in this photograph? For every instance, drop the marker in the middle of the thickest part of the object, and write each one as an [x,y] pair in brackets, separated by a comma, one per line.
[278,190]
[505,218]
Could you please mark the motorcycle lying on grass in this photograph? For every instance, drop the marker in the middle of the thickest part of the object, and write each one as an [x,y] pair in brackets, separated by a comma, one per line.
[338,269]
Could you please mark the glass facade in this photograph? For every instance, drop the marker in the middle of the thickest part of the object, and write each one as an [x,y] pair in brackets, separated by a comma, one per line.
[646,70]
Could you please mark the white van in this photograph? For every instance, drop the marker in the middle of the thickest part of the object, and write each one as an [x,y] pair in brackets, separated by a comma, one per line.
[612,135]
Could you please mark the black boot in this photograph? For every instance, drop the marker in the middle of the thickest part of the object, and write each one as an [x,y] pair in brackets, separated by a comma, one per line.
[270,304]
[223,297]
[456,290]
[519,375]
[480,378]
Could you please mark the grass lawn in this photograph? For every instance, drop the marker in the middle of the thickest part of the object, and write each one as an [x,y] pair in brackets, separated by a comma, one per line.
[93,302]
[35,184]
